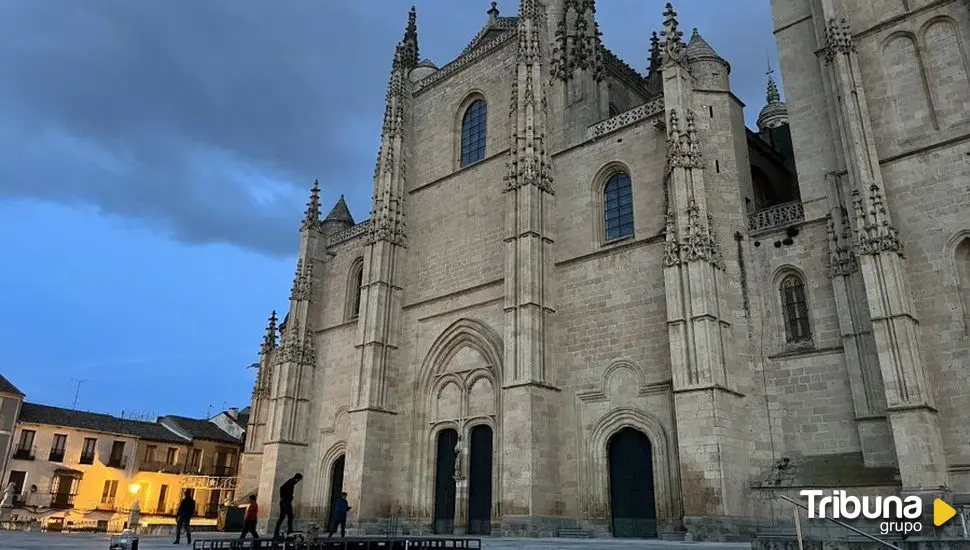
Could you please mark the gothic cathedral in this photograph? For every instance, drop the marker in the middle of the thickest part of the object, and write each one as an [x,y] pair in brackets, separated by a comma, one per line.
[592,299]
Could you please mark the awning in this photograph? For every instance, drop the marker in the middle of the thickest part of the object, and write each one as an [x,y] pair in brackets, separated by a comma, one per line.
[68,472]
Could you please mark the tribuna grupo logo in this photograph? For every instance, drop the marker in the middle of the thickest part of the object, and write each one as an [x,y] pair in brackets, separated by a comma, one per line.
[898,515]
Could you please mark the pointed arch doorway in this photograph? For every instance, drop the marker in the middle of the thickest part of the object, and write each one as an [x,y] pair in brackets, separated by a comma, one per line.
[444,482]
[336,485]
[632,499]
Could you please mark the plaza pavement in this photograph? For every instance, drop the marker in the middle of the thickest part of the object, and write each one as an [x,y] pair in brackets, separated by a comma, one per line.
[17,540]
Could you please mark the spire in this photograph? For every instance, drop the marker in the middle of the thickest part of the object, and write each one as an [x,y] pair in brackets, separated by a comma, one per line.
[269,340]
[773,96]
[340,213]
[406,55]
[312,215]
[698,49]
[775,112]
[673,46]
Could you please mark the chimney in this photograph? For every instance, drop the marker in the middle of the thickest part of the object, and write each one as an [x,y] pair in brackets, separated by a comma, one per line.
[233,413]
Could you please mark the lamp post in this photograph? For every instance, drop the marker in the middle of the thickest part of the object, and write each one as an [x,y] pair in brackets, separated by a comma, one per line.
[134,515]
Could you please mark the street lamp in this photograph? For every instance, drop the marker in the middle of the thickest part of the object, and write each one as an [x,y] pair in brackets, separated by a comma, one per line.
[134,515]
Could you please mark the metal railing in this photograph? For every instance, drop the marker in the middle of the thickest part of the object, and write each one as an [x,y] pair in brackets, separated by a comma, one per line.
[117,462]
[62,500]
[798,525]
[86,459]
[56,455]
[160,466]
[25,452]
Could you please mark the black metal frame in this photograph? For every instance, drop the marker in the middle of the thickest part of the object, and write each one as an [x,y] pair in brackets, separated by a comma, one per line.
[349,543]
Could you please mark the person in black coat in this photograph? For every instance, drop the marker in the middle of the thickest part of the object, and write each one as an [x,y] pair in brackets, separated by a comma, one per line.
[183,517]
[286,505]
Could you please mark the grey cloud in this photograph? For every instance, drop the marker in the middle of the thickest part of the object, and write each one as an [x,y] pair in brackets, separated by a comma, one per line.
[172,112]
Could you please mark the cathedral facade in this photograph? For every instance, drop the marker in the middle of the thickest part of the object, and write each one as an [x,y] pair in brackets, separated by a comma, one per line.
[588,298]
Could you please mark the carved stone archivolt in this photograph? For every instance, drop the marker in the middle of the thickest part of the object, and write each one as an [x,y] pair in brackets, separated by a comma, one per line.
[458,387]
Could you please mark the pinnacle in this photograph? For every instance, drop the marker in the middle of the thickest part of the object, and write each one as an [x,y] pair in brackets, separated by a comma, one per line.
[407,51]
[493,12]
[698,48]
[312,215]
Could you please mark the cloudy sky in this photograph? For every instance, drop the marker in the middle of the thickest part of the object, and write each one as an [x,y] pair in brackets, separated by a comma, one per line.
[155,159]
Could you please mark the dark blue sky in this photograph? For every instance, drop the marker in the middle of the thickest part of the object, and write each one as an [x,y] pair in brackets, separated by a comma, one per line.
[155,158]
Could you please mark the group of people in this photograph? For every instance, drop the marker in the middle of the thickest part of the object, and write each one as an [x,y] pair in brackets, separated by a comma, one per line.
[338,515]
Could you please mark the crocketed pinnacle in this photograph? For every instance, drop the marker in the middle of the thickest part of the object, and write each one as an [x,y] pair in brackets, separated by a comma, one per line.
[654,53]
[406,55]
[312,215]
[673,46]
[269,340]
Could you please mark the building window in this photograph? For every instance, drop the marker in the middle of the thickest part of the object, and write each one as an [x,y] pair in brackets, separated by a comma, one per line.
[57,448]
[473,133]
[108,494]
[151,454]
[25,447]
[618,207]
[172,456]
[117,457]
[614,110]
[354,283]
[795,309]
[87,450]
[962,261]
[196,459]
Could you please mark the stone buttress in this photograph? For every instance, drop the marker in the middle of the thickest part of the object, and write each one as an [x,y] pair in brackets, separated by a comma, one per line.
[370,420]
[703,360]
[864,239]
[529,481]
[285,436]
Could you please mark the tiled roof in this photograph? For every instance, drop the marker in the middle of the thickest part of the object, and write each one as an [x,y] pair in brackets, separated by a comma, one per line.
[96,422]
[7,387]
[202,429]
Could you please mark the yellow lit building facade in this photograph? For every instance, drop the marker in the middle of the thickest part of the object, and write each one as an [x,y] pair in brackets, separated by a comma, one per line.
[85,471]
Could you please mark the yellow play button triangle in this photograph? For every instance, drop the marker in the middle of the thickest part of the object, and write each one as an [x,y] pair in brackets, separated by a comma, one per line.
[942,512]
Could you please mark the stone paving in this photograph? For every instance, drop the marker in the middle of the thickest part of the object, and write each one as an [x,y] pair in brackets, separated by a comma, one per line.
[16,540]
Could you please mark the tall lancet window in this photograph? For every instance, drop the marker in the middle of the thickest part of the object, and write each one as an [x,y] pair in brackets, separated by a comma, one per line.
[618,207]
[354,282]
[795,308]
[473,124]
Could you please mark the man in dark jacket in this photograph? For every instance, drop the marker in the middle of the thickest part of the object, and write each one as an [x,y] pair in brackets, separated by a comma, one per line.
[340,509]
[286,505]
[183,516]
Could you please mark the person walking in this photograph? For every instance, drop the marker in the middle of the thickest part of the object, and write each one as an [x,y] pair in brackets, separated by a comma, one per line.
[183,516]
[340,509]
[249,522]
[286,505]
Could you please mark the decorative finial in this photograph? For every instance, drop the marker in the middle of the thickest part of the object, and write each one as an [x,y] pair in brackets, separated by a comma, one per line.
[269,340]
[493,12]
[673,43]
[312,215]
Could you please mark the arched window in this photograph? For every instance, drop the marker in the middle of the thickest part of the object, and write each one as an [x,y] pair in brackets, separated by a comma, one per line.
[794,306]
[473,132]
[962,260]
[614,110]
[618,207]
[354,282]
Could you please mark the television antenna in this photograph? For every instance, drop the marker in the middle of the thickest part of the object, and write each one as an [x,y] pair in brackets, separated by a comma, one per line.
[77,391]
